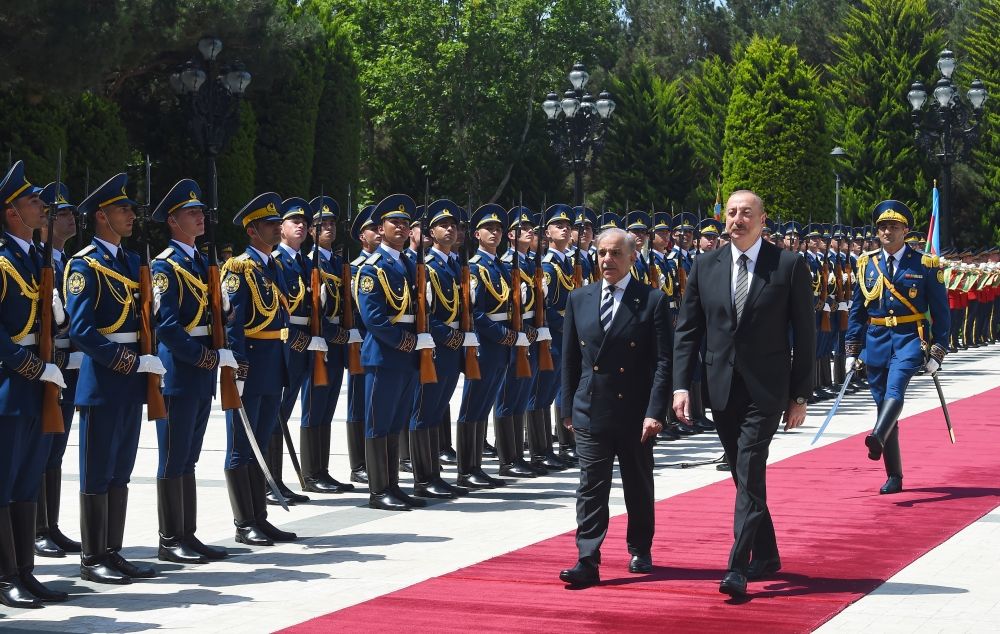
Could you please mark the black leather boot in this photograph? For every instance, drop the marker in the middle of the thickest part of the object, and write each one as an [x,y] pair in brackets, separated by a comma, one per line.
[170,511]
[13,594]
[45,546]
[22,519]
[893,464]
[469,476]
[425,481]
[356,451]
[94,561]
[241,499]
[540,442]
[511,462]
[447,454]
[117,507]
[567,448]
[392,450]
[189,487]
[560,428]
[436,460]
[258,483]
[480,441]
[377,462]
[311,452]
[522,422]
[888,414]
[405,463]
[275,456]
[324,458]
[53,498]
[489,451]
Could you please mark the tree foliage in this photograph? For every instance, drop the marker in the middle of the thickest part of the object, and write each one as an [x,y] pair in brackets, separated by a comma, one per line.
[706,102]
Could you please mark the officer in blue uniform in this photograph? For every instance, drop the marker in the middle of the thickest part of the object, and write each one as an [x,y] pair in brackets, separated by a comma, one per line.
[258,335]
[182,308]
[101,287]
[684,226]
[444,318]
[319,402]
[49,539]
[491,287]
[296,269]
[638,224]
[889,330]
[386,299]
[581,239]
[23,451]
[363,231]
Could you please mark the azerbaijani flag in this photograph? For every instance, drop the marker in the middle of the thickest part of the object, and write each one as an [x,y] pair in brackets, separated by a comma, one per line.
[933,229]
[717,212]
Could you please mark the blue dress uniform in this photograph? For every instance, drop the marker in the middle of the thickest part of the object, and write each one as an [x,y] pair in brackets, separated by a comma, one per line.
[888,329]
[23,451]
[491,313]
[583,216]
[433,399]
[511,405]
[180,281]
[356,382]
[49,539]
[558,281]
[387,304]
[639,222]
[101,289]
[258,334]
[684,222]
[320,402]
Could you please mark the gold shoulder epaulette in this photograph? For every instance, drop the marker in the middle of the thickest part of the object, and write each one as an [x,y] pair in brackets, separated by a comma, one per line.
[239,264]
[871,253]
[475,259]
[930,261]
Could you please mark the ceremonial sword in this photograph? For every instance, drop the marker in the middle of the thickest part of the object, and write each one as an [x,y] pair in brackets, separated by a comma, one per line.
[260,457]
[836,404]
[944,408]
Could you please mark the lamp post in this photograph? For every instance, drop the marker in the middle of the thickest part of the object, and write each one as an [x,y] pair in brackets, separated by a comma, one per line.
[947,129]
[837,153]
[577,125]
[211,95]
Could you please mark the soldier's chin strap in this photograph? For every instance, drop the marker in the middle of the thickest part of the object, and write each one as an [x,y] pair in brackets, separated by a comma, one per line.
[108,223]
[19,218]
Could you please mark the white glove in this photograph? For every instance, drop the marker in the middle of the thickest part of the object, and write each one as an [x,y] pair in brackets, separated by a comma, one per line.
[354,336]
[850,303]
[545,291]
[226,359]
[74,361]
[425,341]
[522,341]
[826,308]
[239,387]
[225,298]
[544,334]
[58,312]
[932,366]
[156,300]
[842,306]
[322,295]
[524,293]
[318,344]
[151,364]
[471,340]
[52,374]
[851,363]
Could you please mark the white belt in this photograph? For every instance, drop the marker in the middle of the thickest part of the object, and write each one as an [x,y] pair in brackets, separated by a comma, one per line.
[200,331]
[298,321]
[498,317]
[453,325]
[333,320]
[528,315]
[405,319]
[62,344]
[27,340]
[122,337]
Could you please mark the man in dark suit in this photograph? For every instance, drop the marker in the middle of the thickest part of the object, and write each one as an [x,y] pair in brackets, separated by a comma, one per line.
[751,304]
[615,395]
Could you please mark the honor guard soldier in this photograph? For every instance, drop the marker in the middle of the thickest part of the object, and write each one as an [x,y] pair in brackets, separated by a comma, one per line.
[582,238]
[182,307]
[888,329]
[258,334]
[491,304]
[684,226]
[319,402]
[444,311]
[363,231]
[709,230]
[102,289]
[638,224]
[296,269]
[387,304]
[24,451]
[558,282]
[666,260]
[49,539]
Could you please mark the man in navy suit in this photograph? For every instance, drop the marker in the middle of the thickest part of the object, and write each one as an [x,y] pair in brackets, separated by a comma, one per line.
[616,364]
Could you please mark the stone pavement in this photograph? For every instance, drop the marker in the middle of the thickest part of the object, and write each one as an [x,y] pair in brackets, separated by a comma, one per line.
[349,553]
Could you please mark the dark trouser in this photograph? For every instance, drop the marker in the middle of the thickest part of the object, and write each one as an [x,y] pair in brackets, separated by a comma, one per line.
[746,434]
[180,435]
[109,440]
[597,452]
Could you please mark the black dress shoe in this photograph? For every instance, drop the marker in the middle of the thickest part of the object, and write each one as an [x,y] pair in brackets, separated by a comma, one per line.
[489,451]
[126,567]
[46,547]
[517,470]
[581,575]
[273,532]
[178,551]
[641,564]
[387,501]
[686,430]
[760,568]
[406,466]
[14,595]
[291,497]
[206,551]
[252,536]
[433,490]
[409,501]
[669,433]
[360,476]
[473,481]
[893,485]
[734,584]
[448,456]
[35,587]
[101,571]
[704,425]
[323,483]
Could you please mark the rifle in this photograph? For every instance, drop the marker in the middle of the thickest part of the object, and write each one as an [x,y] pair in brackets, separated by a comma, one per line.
[229,394]
[654,270]
[156,409]
[545,363]
[523,369]
[824,292]
[52,418]
[428,374]
[353,349]
[472,371]
[577,264]
[320,378]
[842,290]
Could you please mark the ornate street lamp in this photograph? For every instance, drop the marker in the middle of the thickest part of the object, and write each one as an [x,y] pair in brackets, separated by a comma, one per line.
[947,128]
[577,125]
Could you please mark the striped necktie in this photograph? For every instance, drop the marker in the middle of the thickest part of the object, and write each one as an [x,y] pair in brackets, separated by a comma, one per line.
[608,306]
[740,298]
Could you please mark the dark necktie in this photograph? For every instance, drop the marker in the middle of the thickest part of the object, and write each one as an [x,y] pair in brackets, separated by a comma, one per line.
[122,261]
[300,262]
[889,267]
[608,307]
[199,262]
[33,256]
[740,298]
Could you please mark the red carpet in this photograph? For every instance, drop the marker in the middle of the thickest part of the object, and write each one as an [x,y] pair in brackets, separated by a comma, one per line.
[839,540]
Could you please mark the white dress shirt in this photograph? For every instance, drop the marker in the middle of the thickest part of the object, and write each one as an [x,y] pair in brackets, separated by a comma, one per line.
[752,254]
[112,248]
[898,256]
[618,294]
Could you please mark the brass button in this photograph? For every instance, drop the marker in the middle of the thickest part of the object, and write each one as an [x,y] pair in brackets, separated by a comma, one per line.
[620,396]
[583,343]
[890,312]
[631,344]
[596,368]
[621,370]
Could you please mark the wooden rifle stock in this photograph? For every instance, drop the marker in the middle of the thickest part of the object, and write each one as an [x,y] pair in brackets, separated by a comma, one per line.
[682,278]
[155,407]
[523,367]
[428,373]
[319,374]
[228,392]
[577,269]
[545,363]
[52,419]
[472,371]
[841,294]
[353,349]
[824,294]
[654,271]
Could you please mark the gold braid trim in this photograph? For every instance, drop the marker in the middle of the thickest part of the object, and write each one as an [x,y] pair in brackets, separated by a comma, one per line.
[297,299]
[504,293]
[246,267]
[398,303]
[197,288]
[450,306]
[565,280]
[530,281]
[873,293]
[125,299]
[333,285]
[28,290]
